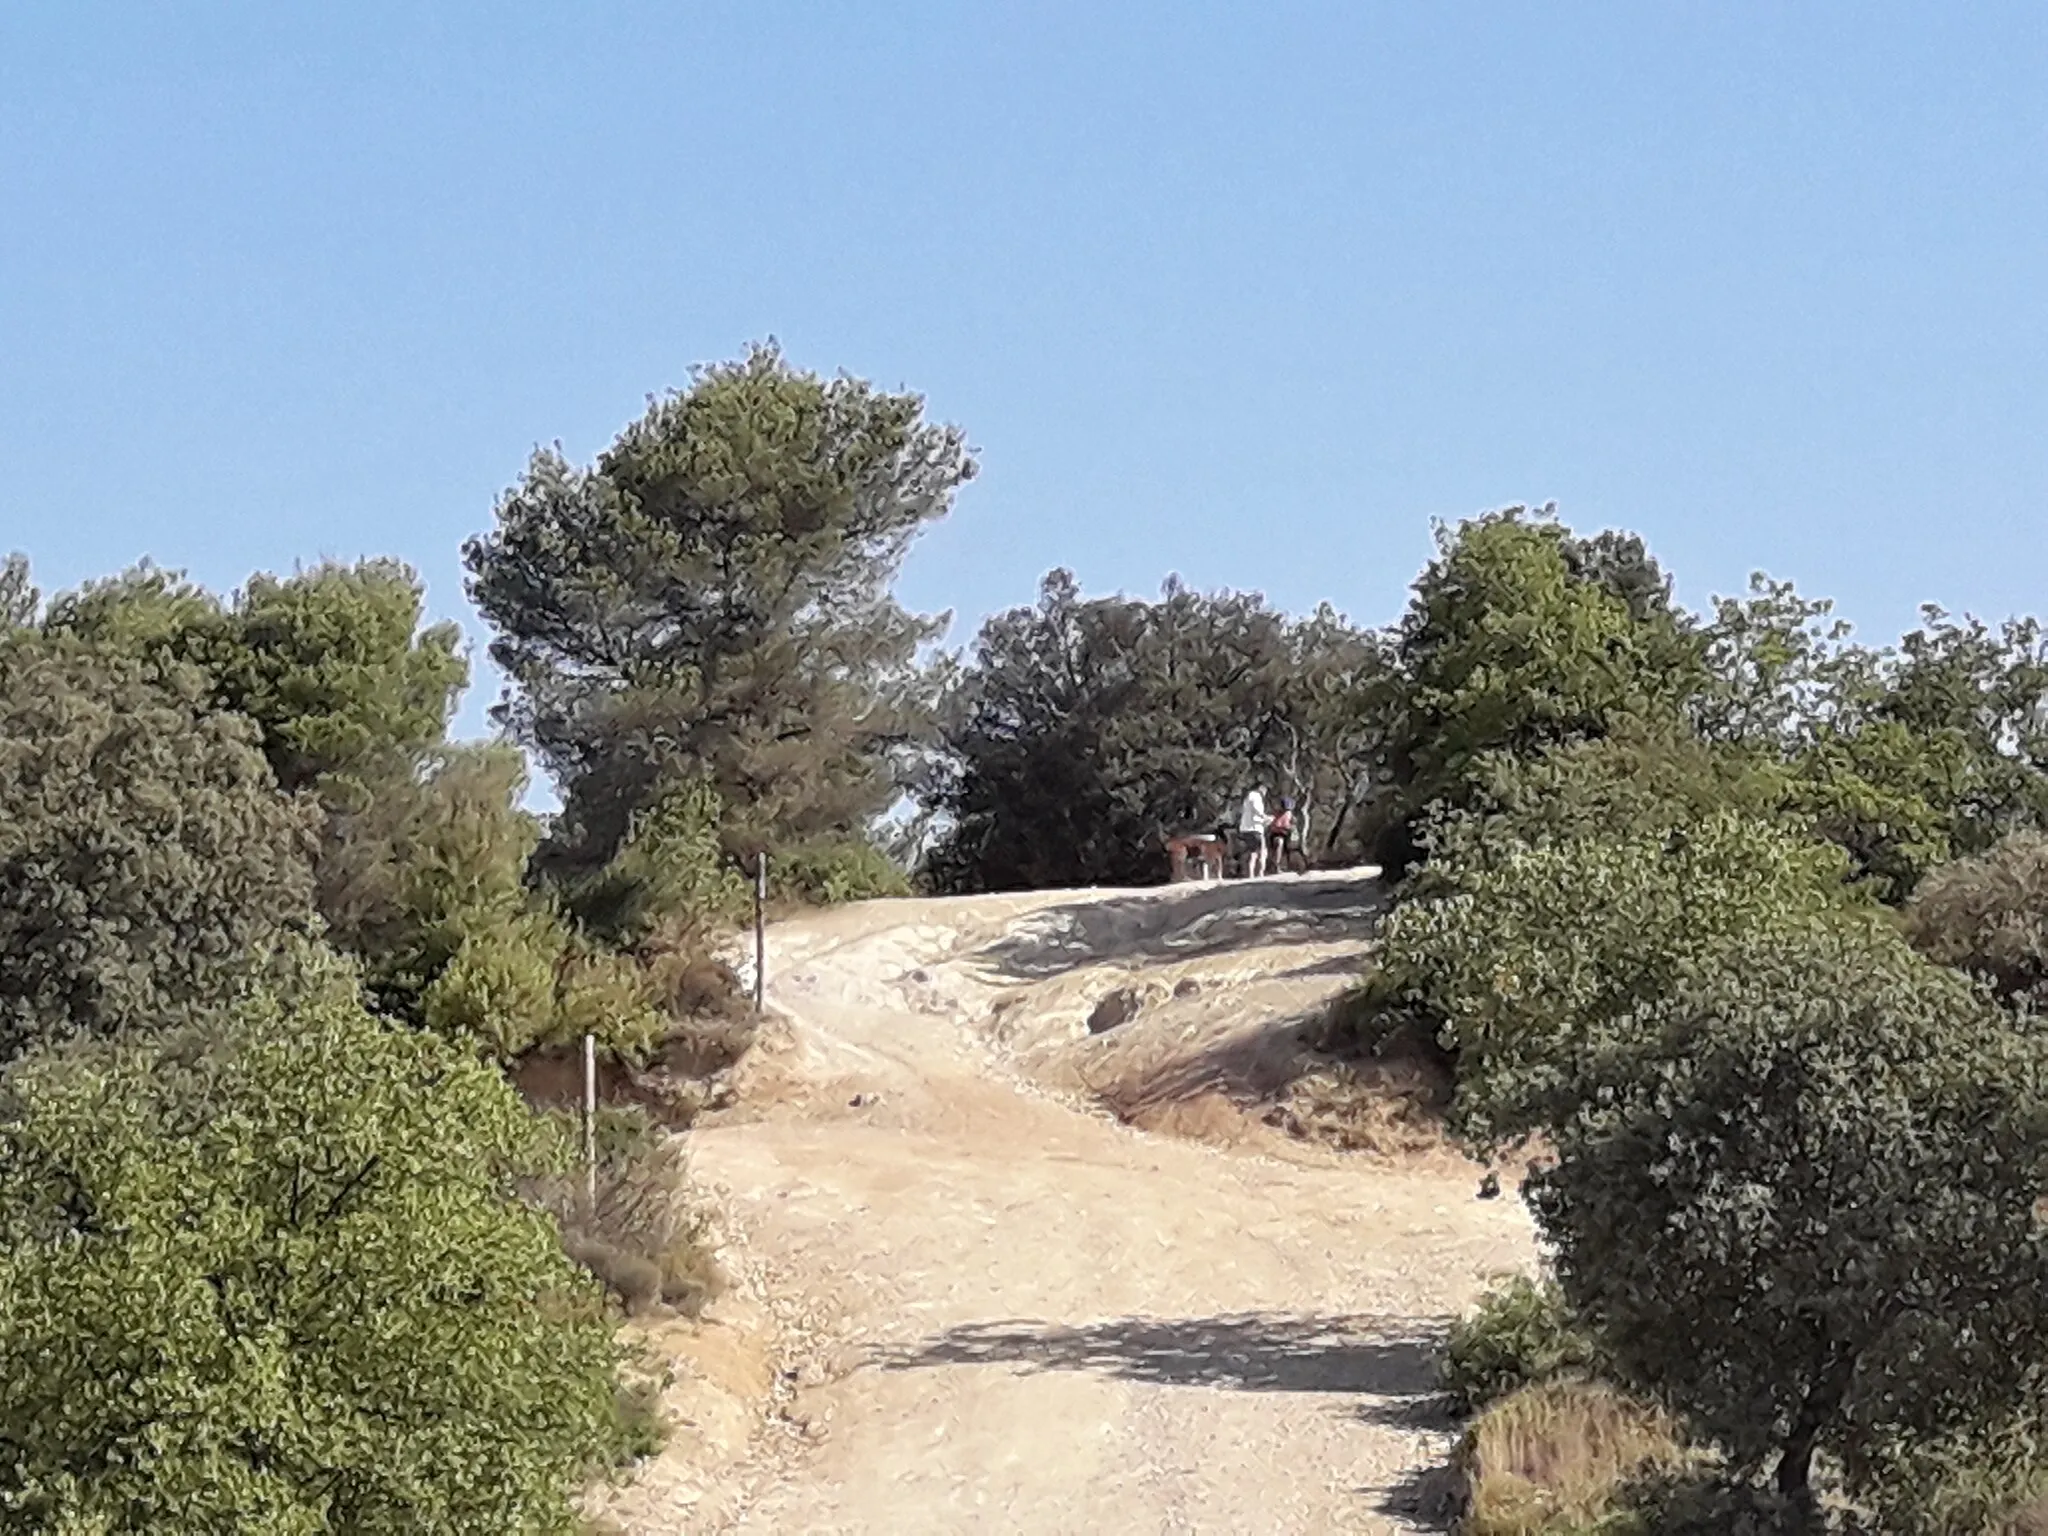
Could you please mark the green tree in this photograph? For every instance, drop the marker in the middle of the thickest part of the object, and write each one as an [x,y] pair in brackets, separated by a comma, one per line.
[1888,795]
[711,599]
[339,669]
[333,663]
[1801,1208]
[1532,958]
[419,853]
[1779,667]
[1521,636]
[669,872]
[149,870]
[1086,731]
[271,1276]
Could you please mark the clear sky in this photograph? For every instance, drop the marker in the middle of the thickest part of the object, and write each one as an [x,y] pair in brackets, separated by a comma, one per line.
[1250,293]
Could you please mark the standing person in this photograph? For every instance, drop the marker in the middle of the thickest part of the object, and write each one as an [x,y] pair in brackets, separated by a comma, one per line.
[1279,834]
[1251,832]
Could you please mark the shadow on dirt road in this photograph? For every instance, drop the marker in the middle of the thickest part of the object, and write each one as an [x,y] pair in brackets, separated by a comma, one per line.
[1388,1358]
[1168,925]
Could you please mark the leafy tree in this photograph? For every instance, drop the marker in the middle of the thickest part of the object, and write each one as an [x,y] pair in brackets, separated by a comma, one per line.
[1987,690]
[20,602]
[146,614]
[1780,667]
[332,663]
[149,870]
[711,599]
[1518,637]
[1888,795]
[336,667]
[1644,780]
[271,1276]
[1532,959]
[1801,1208]
[670,870]
[1085,731]
[419,853]
[524,982]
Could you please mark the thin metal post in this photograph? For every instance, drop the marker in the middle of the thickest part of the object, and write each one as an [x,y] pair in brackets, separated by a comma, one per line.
[761,931]
[590,1121]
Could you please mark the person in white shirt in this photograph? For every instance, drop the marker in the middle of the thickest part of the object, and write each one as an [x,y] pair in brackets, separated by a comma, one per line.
[1251,832]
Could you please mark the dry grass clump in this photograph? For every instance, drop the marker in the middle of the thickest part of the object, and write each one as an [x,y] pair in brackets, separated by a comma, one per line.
[711,1025]
[1383,1087]
[1553,1460]
[645,1238]
[2030,1519]
[1383,1108]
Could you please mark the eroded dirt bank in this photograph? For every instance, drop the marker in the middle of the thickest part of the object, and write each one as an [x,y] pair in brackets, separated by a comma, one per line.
[998,1307]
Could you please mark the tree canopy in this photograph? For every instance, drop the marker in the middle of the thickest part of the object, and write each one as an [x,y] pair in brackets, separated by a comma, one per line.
[711,600]
[149,869]
[273,1276]
[1085,731]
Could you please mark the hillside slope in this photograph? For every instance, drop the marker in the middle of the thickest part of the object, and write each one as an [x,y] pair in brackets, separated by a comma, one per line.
[1003,1309]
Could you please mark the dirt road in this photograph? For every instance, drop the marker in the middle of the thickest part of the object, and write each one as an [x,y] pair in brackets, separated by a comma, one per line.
[1017,1313]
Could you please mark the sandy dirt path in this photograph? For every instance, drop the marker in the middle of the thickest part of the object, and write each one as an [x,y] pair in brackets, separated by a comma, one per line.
[1031,1317]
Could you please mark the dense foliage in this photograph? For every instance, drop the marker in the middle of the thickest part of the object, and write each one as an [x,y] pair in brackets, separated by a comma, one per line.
[1737,918]
[1521,1334]
[1791,1166]
[149,870]
[271,1276]
[1087,731]
[710,601]
[1803,1206]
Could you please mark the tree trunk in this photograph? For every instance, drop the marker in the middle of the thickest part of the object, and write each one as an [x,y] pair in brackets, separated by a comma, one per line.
[1795,1461]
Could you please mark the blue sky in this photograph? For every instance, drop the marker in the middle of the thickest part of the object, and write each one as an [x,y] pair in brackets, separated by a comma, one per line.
[1249,293]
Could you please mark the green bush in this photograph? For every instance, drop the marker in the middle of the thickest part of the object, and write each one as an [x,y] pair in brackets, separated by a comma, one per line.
[831,872]
[1801,1208]
[149,869]
[275,1276]
[1530,959]
[669,874]
[419,853]
[1521,1333]
[527,983]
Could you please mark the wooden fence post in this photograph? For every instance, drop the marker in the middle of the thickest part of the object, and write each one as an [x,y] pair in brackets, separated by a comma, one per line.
[590,1121]
[761,932]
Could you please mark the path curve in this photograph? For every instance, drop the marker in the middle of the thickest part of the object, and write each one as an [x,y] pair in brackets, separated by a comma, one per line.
[1033,1318]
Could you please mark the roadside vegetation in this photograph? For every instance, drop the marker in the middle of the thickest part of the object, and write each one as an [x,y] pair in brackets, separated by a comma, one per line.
[1738,925]
[282,1248]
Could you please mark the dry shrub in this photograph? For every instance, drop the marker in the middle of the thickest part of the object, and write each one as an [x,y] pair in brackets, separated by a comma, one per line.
[2030,1519]
[645,1238]
[1384,1089]
[1989,915]
[1368,1107]
[711,1025]
[1556,1458]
